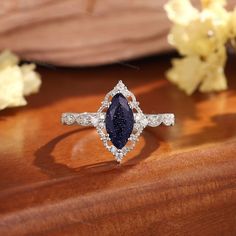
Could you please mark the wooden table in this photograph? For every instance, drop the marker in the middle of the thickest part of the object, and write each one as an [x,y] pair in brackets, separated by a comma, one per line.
[58,180]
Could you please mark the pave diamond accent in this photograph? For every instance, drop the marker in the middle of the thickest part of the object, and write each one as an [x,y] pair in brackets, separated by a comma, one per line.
[167,119]
[83,119]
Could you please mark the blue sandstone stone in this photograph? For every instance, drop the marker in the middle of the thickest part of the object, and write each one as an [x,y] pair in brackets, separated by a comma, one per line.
[119,121]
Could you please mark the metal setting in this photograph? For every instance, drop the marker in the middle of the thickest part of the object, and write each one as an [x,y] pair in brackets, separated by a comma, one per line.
[97,120]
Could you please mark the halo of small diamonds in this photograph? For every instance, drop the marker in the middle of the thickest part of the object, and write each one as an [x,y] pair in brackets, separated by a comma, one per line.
[141,122]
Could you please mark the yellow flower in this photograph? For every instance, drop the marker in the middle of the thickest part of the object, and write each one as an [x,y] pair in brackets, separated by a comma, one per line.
[233,29]
[181,11]
[186,73]
[11,87]
[31,79]
[210,3]
[192,72]
[233,24]
[200,36]
[214,77]
[16,81]
[7,58]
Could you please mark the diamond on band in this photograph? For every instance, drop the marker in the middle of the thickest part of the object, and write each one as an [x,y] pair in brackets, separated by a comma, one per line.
[92,119]
[119,121]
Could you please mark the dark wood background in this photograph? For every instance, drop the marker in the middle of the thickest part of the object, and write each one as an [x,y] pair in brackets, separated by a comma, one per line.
[57,180]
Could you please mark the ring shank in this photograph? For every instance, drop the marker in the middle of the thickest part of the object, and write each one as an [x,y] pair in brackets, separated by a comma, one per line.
[91,119]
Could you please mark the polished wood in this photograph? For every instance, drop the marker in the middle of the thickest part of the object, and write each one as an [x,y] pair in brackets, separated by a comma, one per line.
[84,32]
[58,180]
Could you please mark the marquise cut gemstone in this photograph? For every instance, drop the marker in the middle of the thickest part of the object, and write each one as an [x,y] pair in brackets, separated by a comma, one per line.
[119,121]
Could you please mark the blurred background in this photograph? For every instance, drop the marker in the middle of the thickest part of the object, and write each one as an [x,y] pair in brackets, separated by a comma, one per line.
[84,32]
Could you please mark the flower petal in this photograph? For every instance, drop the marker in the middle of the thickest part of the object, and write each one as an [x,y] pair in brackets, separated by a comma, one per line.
[16,81]
[11,87]
[214,76]
[210,3]
[186,73]
[7,58]
[31,79]
[181,11]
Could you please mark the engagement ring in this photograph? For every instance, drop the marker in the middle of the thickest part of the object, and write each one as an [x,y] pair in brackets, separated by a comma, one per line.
[119,121]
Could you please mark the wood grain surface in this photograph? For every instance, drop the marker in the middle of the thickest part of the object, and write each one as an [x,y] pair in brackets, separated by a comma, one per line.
[84,32]
[57,180]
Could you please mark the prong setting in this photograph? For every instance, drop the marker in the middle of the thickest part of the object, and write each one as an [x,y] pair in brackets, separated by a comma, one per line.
[140,122]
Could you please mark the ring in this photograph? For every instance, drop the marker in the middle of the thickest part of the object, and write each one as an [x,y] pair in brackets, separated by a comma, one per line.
[119,121]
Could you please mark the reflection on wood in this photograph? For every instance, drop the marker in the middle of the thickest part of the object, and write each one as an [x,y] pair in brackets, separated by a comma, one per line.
[58,180]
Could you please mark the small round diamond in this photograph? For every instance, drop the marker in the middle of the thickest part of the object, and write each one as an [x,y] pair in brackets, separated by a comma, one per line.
[69,119]
[113,150]
[119,156]
[94,121]
[102,116]
[144,121]
[101,125]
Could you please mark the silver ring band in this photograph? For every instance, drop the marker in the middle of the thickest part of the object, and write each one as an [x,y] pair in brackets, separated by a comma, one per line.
[92,119]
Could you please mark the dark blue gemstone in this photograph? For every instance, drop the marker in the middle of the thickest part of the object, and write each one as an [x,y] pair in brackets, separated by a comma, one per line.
[119,121]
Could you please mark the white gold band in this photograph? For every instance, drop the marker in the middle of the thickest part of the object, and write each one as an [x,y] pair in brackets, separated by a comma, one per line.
[92,119]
